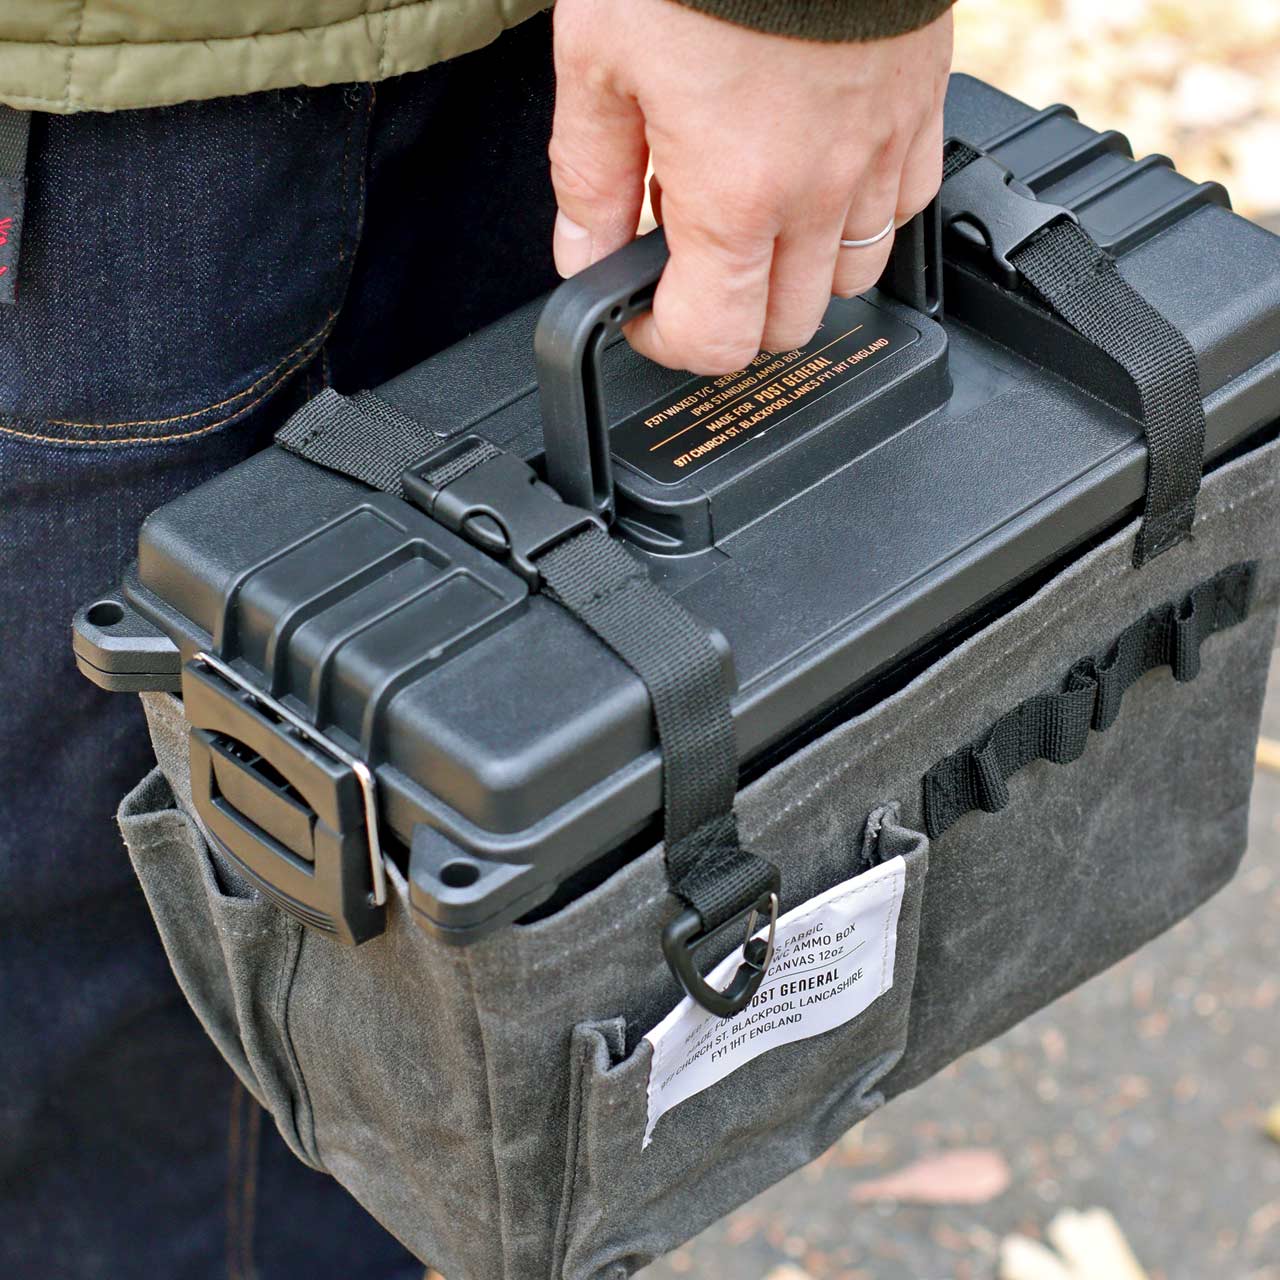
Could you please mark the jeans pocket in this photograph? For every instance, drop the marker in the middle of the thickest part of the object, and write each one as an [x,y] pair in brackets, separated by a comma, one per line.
[240,987]
[180,265]
[625,1203]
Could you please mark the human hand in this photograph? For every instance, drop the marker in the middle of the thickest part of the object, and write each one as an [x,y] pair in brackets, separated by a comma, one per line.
[767,152]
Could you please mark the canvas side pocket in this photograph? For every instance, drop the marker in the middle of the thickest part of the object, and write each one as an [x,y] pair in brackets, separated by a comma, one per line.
[233,953]
[755,1118]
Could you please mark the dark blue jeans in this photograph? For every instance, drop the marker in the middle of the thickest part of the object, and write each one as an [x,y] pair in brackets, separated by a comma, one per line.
[189,275]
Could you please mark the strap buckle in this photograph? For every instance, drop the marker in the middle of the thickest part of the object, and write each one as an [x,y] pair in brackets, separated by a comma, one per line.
[684,933]
[499,505]
[1007,214]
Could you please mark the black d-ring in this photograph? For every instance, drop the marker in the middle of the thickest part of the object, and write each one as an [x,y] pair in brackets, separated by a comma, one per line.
[685,932]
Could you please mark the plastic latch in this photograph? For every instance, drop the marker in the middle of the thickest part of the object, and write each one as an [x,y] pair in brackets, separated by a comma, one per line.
[500,506]
[1005,211]
[685,932]
[292,807]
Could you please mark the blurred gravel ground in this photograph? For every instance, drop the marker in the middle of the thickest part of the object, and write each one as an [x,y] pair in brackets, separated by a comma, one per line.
[1144,1092]
[1199,82]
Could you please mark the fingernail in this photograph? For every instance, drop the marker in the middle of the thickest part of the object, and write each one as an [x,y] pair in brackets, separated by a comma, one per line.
[571,245]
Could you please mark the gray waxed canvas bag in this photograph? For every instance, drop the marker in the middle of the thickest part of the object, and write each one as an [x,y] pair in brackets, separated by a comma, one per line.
[487,1103]
[1030,794]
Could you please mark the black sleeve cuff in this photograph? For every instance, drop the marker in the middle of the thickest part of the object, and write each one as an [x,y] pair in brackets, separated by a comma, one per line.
[830,20]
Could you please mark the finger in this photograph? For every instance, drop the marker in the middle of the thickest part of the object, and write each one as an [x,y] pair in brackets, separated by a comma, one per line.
[871,211]
[921,170]
[800,284]
[709,309]
[598,158]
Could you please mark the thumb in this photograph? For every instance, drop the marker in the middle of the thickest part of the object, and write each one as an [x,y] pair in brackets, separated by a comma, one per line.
[598,159]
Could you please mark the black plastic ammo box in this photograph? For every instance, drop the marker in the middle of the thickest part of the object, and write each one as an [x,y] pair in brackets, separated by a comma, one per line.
[837,516]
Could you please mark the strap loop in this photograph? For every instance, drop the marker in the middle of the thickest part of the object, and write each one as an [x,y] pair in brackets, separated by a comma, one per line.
[360,436]
[1044,246]
[1055,726]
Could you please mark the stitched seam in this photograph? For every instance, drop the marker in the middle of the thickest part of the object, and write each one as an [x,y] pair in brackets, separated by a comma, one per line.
[71,54]
[317,338]
[284,991]
[31,101]
[390,6]
[385,22]
[35,102]
[316,433]
[562,1254]
[194,413]
[493,1112]
[279,983]
[358,230]
[602,595]
[346,192]
[176,435]
[950,691]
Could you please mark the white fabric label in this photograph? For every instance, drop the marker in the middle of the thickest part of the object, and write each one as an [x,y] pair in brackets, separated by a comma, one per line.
[832,957]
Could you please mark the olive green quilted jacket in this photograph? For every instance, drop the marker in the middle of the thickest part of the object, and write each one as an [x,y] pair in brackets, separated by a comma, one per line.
[107,55]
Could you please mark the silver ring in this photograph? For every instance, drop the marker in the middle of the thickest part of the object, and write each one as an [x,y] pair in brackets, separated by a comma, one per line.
[866,244]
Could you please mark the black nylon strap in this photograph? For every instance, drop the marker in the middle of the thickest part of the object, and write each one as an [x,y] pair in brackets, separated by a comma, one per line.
[1081,284]
[594,578]
[364,437]
[15,129]
[1055,726]
[957,156]
[610,593]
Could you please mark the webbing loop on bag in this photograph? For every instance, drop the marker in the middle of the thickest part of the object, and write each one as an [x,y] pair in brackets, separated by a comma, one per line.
[1045,246]
[1055,726]
[498,503]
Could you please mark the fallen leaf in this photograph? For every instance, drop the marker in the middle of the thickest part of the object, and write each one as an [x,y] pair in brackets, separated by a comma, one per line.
[1271,1126]
[788,1272]
[1094,1246]
[1024,1259]
[969,1175]
[1090,1246]
[1264,1220]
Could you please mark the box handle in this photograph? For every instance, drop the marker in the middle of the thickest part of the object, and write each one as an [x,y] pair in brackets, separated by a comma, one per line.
[579,319]
[585,312]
